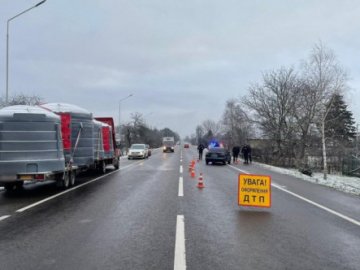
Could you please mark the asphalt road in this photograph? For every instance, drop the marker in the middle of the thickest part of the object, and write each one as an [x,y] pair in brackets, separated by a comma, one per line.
[151,215]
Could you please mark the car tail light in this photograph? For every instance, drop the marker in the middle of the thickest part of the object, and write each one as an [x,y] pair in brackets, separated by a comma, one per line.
[39,177]
[66,130]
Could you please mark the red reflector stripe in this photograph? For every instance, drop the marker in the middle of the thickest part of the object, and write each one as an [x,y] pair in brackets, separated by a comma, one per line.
[66,130]
[106,138]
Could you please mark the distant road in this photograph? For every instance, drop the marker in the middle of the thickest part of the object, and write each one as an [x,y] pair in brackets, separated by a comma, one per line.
[151,215]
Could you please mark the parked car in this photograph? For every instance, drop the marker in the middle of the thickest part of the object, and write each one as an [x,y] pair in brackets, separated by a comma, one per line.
[138,151]
[218,155]
[148,149]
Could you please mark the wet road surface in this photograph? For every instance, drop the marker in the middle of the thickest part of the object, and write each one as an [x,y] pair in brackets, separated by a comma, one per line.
[151,215]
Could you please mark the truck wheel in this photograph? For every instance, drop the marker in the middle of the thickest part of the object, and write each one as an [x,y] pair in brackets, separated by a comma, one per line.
[103,167]
[72,178]
[9,187]
[117,164]
[63,180]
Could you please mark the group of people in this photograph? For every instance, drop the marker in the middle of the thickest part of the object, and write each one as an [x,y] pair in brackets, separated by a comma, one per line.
[245,151]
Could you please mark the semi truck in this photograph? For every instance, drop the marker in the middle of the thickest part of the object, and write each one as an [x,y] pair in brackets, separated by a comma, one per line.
[168,144]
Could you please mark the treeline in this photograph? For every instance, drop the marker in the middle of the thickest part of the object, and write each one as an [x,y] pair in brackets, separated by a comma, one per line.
[292,117]
[137,131]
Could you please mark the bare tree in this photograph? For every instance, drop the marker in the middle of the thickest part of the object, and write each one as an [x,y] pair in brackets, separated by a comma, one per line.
[236,124]
[273,104]
[305,111]
[327,78]
[21,99]
[211,126]
[199,134]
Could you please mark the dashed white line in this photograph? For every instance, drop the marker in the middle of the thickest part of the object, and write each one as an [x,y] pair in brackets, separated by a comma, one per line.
[181,169]
[180,253]
[181,187]
[4,217]
[351,220]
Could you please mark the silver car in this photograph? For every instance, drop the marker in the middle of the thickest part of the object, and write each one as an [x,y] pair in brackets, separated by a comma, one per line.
[138,151]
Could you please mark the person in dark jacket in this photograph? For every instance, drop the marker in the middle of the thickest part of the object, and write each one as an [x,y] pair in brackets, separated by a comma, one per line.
[235,153]
[245,152]
[249,153]
[200,149]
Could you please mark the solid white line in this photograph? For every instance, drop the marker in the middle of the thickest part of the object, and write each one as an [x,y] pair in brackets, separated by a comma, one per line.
[69,190]
[356,222]
[4,217]
[180,256]
[181,187]
[353,221]
[238,169]
[181,169]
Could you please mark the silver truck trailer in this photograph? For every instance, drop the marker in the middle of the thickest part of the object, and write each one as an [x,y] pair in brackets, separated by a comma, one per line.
[77,130]
[31,147]
[104,153]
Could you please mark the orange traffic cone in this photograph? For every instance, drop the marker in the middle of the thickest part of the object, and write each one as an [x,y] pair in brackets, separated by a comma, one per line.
[200,182]
[192,174]
[190,167]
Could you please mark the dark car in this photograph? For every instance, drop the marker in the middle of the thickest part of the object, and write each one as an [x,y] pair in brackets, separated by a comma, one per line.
[218,155]
[186,145]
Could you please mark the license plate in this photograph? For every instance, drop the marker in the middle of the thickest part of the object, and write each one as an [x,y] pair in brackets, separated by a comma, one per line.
[26,177]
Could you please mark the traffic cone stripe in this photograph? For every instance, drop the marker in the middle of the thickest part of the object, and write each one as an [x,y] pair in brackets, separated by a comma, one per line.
[201,182]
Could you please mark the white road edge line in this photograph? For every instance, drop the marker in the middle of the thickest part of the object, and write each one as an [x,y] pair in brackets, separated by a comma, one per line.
[181,169]
[181,187]
[351,220]
[180,254]
[69,190]
[4,217]
[318,205]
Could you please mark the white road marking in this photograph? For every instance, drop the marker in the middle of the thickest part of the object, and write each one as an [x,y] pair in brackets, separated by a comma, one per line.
[180,254]
[356,222]
[71,189]
[181,187]
[181,169]
[351,220]
[238,169]
[4,217]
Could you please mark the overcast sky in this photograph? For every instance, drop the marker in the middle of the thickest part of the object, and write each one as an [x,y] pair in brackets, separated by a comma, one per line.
[181,60]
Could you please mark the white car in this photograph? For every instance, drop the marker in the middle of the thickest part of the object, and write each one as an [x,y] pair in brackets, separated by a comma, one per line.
[138,151]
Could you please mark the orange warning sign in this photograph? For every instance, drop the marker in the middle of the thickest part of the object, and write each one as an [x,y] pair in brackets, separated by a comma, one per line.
[254,190]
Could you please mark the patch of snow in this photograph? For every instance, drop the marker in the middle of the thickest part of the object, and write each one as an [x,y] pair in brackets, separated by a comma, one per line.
[340,182]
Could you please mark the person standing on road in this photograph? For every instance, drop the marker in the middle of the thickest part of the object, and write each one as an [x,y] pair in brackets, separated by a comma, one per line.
[245,152]
[200,149]
[235,152]
[249,153]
